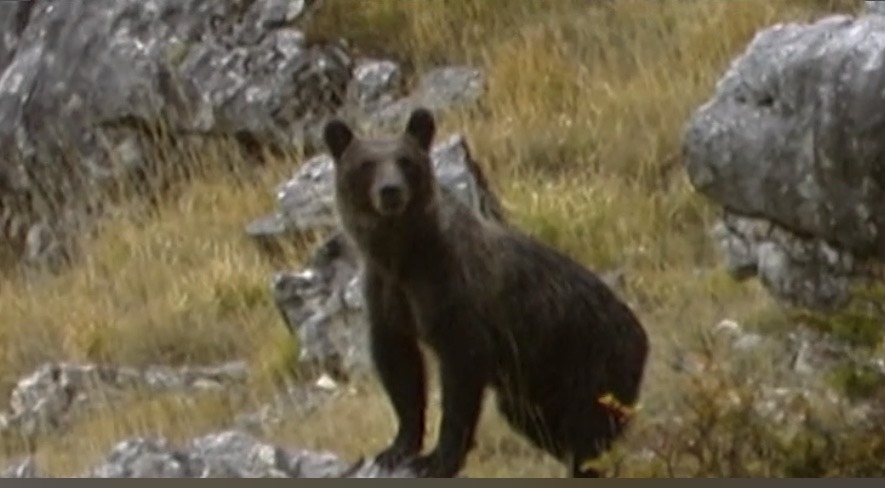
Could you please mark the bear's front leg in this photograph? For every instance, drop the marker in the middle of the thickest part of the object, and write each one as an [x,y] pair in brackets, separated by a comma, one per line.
[401,370]
[463,381]
[400,367]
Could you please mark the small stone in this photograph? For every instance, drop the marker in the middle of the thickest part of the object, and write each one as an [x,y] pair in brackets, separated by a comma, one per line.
[728,326]
[326,382]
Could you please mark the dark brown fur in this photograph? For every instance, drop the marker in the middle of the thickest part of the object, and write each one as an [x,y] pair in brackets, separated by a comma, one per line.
[497,307]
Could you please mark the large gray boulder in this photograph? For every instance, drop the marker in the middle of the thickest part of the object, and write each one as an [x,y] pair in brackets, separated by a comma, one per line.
[792,147]
[81,79]
[71,68]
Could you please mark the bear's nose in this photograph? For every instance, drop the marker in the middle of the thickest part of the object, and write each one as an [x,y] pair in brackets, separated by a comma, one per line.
[391,196]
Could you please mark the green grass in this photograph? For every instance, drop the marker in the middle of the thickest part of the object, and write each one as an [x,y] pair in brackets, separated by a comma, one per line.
[579,132]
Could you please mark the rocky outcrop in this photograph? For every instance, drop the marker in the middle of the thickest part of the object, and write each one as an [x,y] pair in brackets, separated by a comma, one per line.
[84,82]
[875,6]
[792,147]
[226,454]
[44,399]
[80,79]
[47,399]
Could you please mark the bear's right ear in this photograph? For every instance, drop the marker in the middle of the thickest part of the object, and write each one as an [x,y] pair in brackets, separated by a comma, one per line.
[337,136]
[421,127]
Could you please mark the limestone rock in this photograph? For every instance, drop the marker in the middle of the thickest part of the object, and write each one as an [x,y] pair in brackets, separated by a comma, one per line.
[792,146]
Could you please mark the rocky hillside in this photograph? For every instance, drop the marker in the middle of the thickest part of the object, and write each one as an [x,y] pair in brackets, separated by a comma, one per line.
[176,300]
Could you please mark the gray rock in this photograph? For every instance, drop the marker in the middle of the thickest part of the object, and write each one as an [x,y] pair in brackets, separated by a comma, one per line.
[784,377]
[799,270]
[42,400]
[224,454]
[875,6]
[801,354]
[79,79]
[113,61]
[22,468]
[145,458]
[374,85]
[438,89]
[791,146]
[322,303]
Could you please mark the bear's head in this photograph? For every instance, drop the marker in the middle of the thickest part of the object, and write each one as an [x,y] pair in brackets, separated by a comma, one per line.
[383,178]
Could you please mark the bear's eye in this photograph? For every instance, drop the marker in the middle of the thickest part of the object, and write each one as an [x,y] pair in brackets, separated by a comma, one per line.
[361,170]
[406,165]
[365,166]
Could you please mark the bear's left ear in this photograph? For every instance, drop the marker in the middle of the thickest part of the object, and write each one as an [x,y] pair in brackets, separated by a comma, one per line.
[422,127]
[337,135]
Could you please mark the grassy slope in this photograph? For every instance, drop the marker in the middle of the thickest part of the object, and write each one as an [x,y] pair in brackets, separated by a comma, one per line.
[580,134]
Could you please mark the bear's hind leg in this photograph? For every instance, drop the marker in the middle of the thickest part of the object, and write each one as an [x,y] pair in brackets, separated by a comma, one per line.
[593,433]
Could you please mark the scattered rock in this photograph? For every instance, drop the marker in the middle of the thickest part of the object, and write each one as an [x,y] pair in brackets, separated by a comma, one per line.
[757,403]
[791,408]
[44,399]
[814,353]
[229,454]
[226,454]
[801,352]
[22,468]
[790,145]
[875,6]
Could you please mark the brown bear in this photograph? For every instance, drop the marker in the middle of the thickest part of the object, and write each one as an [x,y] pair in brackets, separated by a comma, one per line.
[498,308]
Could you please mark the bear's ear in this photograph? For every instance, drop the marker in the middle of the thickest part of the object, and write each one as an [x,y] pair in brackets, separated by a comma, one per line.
[337,136]
[421,127]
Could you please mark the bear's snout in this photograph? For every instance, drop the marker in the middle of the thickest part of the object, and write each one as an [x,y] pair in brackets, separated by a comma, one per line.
[391,199]
[389,191]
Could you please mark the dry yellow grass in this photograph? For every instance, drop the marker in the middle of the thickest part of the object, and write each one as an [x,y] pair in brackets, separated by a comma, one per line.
[579,132]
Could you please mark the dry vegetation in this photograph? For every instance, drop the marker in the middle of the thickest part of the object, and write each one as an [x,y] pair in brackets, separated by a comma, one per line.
[579,132]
